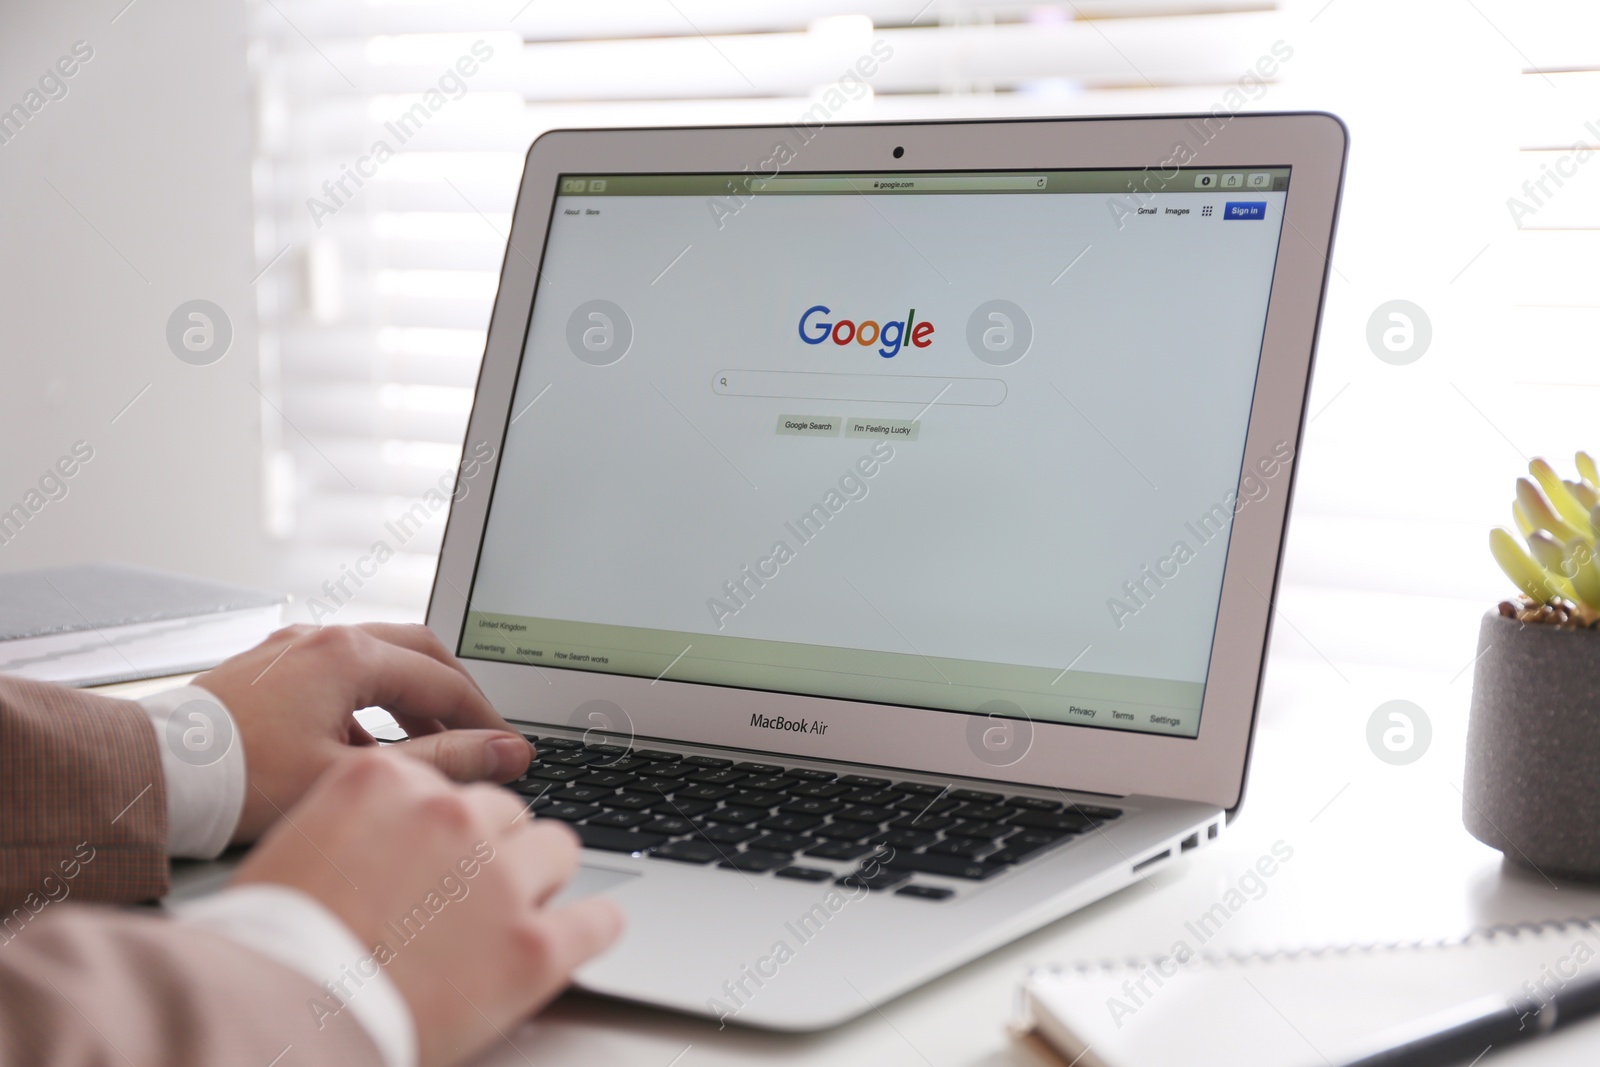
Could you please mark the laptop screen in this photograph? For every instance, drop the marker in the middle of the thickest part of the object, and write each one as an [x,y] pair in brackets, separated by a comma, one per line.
[971,442]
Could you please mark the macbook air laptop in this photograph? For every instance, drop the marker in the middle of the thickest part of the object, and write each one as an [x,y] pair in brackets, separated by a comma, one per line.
[877,526]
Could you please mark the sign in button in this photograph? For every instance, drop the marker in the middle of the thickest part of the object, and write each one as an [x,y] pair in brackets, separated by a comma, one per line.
[1236,209]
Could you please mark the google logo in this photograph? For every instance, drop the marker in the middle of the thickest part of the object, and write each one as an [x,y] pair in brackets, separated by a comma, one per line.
[891,334]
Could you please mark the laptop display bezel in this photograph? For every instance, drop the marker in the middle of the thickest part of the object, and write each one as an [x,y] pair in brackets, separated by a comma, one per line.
[1209,767]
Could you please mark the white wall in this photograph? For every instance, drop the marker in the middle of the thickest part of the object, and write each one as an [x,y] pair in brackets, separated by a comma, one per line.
[151,146]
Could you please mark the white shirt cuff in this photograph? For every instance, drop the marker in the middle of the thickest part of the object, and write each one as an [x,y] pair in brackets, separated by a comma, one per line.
[294,929]
[202,759]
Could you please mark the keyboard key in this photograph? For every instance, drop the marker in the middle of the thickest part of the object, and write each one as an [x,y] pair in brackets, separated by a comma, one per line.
[755,861]
[921,789]
[687,852]
[965,847]
[560,743]
[903,839]
[781,842]
[656,755]
[810,775]
[688,809]
[925,892]
[949,866]
[699,791]
[1022,853]
[584,794]
[1036,803]
[756,798]
[878,798]
[1094,812]
[812,806]
[758,768]
[916,805]
[717,777]
[727,835]
[555,774]
[792,824]
[840,850]
[1052,820]
[926,822]
[575,758]
[714,762]
[984,812]
[805,874]
[988,831]
[608,750]
[1036,837]
[862,781]
[671,825]
[826,790]
[609,839]
[773,783]
[568,812]
[737,816]
[863,813]
[661,787]
[608,779]
[882,878]
[846,831]
[534,787]
[975,794]
[622,820]
[630,801]
[670,770]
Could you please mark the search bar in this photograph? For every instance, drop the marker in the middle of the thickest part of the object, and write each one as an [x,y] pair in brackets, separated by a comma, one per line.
[865,388]
[891,183]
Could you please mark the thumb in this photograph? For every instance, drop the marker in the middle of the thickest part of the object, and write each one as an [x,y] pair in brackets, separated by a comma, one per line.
[471,755]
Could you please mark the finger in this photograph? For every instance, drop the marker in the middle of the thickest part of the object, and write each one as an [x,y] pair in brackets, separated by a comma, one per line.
[558,942]
[417,639]
[543,855]
[417,690]
[471,755]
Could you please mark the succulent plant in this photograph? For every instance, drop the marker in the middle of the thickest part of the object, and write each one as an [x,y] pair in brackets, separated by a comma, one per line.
[1558,572]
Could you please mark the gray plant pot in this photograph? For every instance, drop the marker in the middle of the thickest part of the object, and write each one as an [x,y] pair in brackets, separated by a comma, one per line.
[1532,785]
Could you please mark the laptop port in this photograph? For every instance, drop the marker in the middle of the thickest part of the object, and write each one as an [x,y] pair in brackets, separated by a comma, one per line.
[1192,841]
[1157,858]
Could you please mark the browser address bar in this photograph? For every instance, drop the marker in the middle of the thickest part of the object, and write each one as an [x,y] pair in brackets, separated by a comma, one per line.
[891,183]
[863,388]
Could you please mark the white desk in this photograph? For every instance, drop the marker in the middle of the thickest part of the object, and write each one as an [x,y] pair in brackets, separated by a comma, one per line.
[1379,855]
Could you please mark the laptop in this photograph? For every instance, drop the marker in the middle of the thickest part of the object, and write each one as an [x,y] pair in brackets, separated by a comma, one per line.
[876,526]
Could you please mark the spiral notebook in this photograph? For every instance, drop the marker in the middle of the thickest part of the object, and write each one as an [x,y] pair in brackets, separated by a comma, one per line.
[1290,1009]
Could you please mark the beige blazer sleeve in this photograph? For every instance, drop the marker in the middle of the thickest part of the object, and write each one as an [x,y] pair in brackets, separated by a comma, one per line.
[86,986]
[83,802]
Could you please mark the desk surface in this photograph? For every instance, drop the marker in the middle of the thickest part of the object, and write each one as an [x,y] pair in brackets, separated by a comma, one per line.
[1379,855]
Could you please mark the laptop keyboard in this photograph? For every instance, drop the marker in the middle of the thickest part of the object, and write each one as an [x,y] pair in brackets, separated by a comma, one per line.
[764,818]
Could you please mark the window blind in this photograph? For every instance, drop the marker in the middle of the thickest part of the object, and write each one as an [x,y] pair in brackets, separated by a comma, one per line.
[380,263]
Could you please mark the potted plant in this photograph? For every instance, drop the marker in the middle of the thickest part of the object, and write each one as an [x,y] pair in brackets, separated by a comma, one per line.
[1532,787]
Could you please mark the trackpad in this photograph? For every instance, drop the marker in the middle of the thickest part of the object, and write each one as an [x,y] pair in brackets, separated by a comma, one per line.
[591,880]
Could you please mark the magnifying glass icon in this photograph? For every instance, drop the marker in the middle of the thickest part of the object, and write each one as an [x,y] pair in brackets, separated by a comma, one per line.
[724,382]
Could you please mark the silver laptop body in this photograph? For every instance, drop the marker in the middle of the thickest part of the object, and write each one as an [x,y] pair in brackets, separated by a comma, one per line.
[878,524]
